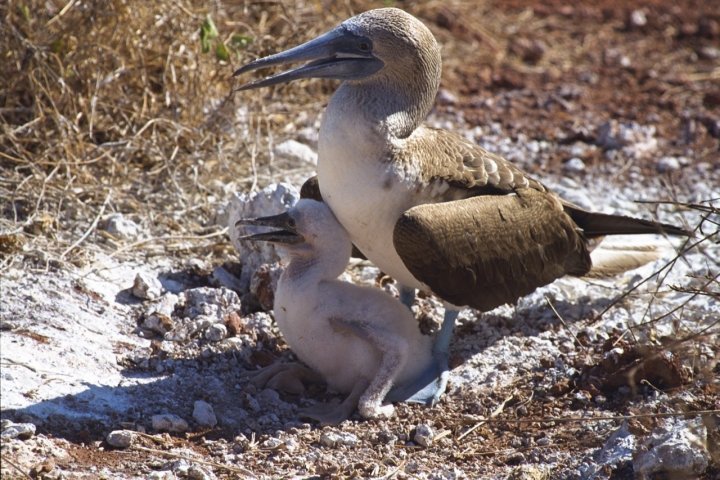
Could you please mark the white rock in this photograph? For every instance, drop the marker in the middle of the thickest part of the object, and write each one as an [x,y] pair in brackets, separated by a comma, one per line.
[120,438]
[291,445]
[204,414]
[296,151]
[161,475]
[119,226]
[273,199]
[216,332]
[159,323]
[146,286]
[211,302]
[169,422]
[618,448]
[446,97]
[574,165]
[638,18]
[334,439]
[424,435]
[164,305]
[260,322]
[572,191]
[677,450]
[223,278]
[196,472]
[635,140]
[667,164]
[22,431]
[272,443]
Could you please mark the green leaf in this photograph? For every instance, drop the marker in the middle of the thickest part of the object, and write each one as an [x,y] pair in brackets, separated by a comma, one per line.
[241,41]
[208,31]
[221,52]
[24,11]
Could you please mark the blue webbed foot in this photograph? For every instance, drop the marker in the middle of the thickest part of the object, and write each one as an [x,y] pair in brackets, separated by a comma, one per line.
[432,382]
[407,296]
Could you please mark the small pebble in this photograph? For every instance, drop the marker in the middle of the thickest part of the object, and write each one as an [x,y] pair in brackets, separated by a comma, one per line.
[574,165]
[667,164]
[119,226]
[638,18]
[146,286]
[709,53]
[120,438]
[336,439]
[386,438]
[272,443]
[446,97]
[268,397]
[161,475]
[21,431]
[216,332]
[159,323]
[169,422]
[294,150]
[424,435]
[196,472]
[204,414]
[291,445]
[516,458]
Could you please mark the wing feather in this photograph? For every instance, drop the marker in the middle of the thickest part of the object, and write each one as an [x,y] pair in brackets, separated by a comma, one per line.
[469,169]
[486,251]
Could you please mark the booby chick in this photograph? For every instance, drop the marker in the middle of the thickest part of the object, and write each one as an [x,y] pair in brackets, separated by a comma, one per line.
[428,207]
[359,339]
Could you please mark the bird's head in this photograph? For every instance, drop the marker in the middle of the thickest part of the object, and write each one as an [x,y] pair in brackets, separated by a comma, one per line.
[381,44]
[306,229]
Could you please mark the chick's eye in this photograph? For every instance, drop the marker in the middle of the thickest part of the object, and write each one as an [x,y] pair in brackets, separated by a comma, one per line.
[291,222]
[364,46]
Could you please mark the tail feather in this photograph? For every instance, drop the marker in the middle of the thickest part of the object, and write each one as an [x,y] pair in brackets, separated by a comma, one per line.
[608,261]
[599,224]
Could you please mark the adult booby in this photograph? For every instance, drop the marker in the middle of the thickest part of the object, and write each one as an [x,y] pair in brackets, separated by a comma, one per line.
[428,207]
[361,340]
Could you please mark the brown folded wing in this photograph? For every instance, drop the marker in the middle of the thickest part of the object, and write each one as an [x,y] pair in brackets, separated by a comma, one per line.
[489,250]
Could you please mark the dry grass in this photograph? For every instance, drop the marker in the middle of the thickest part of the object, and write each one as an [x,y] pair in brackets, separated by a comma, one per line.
[113,107]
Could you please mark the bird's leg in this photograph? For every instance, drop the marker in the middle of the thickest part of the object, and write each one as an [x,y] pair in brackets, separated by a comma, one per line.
[407,296]
[443,337]
[393,350]
[332,414]
[286,377]
[429,386]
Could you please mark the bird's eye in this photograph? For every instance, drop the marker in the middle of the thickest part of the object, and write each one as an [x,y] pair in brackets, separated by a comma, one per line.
[291,223]
[364,46]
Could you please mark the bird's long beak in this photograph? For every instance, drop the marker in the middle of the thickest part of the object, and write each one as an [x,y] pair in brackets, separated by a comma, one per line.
[286,234]
[337,54]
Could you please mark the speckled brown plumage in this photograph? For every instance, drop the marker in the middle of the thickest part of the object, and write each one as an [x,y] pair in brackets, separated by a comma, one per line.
[468,169]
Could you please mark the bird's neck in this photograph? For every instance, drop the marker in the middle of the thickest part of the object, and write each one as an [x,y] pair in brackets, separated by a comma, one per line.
[311,268]
[390,107]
